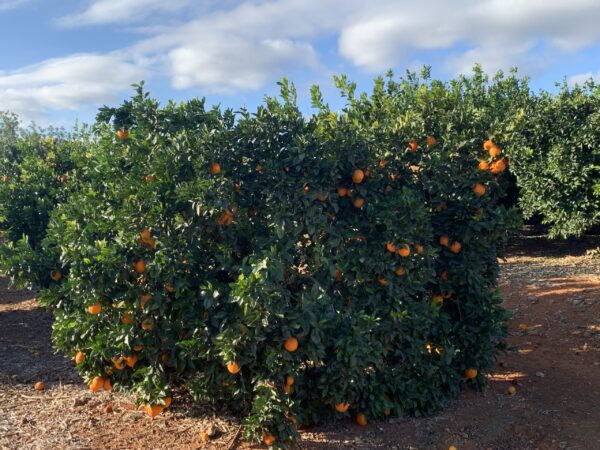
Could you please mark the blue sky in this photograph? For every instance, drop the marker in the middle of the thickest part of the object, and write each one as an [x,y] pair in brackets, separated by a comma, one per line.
[62,59]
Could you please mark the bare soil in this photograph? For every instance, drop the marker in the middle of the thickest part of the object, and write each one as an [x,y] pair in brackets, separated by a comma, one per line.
[552,288]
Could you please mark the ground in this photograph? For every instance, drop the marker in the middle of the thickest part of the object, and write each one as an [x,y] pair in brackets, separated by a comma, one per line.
[552,288]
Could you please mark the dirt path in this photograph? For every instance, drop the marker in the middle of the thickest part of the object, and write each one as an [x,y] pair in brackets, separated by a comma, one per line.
[553,290]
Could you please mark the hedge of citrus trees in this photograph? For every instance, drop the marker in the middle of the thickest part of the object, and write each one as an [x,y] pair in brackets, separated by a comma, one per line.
[294,270]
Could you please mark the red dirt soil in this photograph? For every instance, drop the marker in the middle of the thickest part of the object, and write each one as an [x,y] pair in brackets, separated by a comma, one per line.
[553,290]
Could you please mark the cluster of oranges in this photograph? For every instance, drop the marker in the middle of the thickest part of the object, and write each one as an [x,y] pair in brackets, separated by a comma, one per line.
[496,164]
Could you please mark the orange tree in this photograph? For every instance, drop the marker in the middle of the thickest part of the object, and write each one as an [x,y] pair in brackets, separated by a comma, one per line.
[295,270]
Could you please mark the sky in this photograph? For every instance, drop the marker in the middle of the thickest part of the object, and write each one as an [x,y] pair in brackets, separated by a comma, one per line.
[62,59]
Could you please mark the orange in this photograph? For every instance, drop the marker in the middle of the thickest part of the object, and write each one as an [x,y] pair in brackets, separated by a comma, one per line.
[522,327]
[139,266]
[131,360]
[321,197]
[495,151]
[215,168]
[107,385]
[342,407]
[288,389]
[148,324]
[95,309]
[39,386]
[56,275]
[419,248]
[511,390]
[126,318]
[361,419]
[342,191]
[167,401]
[381,280]
[97,384]
[268,439]
[204,436]
[232,367]
[357,176]
[483,165]
[438,299]
[359,202]
[383,163]
[79,357]
[413,146]
[479,189]
[62,179]
[471,373]
[154,410]
[452,447]
[145,299]
[431,141]
[404,250]
[291,344]
[338,275]
[488,144]
[145,234]
[456,247]
[123,134]
[118,363]
[258,168]
[444,241]
[137,348]
[169,288]
[400,271]
[390,247]
[498,166]
[149,179]
[289,380]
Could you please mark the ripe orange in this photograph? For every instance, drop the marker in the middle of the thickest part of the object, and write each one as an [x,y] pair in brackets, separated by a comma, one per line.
[390,247]
[483,165]
[56,275]
[204,436]
[149,179]
[479,189]
[438,299]
[419,248]
[498,166]
[381,280]
[339,276]
[404,250]
[97,384]
[495,151]
[431,141]
[79,357]
[452,447]
[232,367]
[139,266]
[107,385]
[289,380]
[95,309]
[456,247]
[126,318]
[400,271]
[358,176]
[167,401]
[118,363]
[154,410]
[146,235]
[444,241]
[413,146]
[287,389]
[123,134]
[268,439]
[169,288]
[145,299]
[62,179]
[258,168]
[39,386]
[359,202]
[471,373]
[148,324]
[342,191]
[488,144]
[342,407]
[131,360]
[291,344]
[361,419]
[383,163]
[215,168]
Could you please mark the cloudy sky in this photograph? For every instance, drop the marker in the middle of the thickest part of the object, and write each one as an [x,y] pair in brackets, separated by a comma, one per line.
[61,59]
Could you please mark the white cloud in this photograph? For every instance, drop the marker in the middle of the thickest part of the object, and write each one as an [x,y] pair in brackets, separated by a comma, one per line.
[582,78]
[66,83]
[11,4]
[120,11]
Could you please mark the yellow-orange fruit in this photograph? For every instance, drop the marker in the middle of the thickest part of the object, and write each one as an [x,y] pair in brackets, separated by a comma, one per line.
[268,439]
[479,189]
[494,151]
[291,344]
[342,191]
[413,146]
[359,202]
[56,275]
[438,299]
[97,384]
[431,141]
[404,250]
[471,373]
[444,241]
[483,165]
[215,168]
[488,144]
[95,309]
[131,360]
[358,176]
[400,271]
[361,419]
[233,367]
[119,363]
[498,166]
[456,247]
[79,357]
[342,407]
[123,134]
[39,386]
[390,247]
[154,410]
